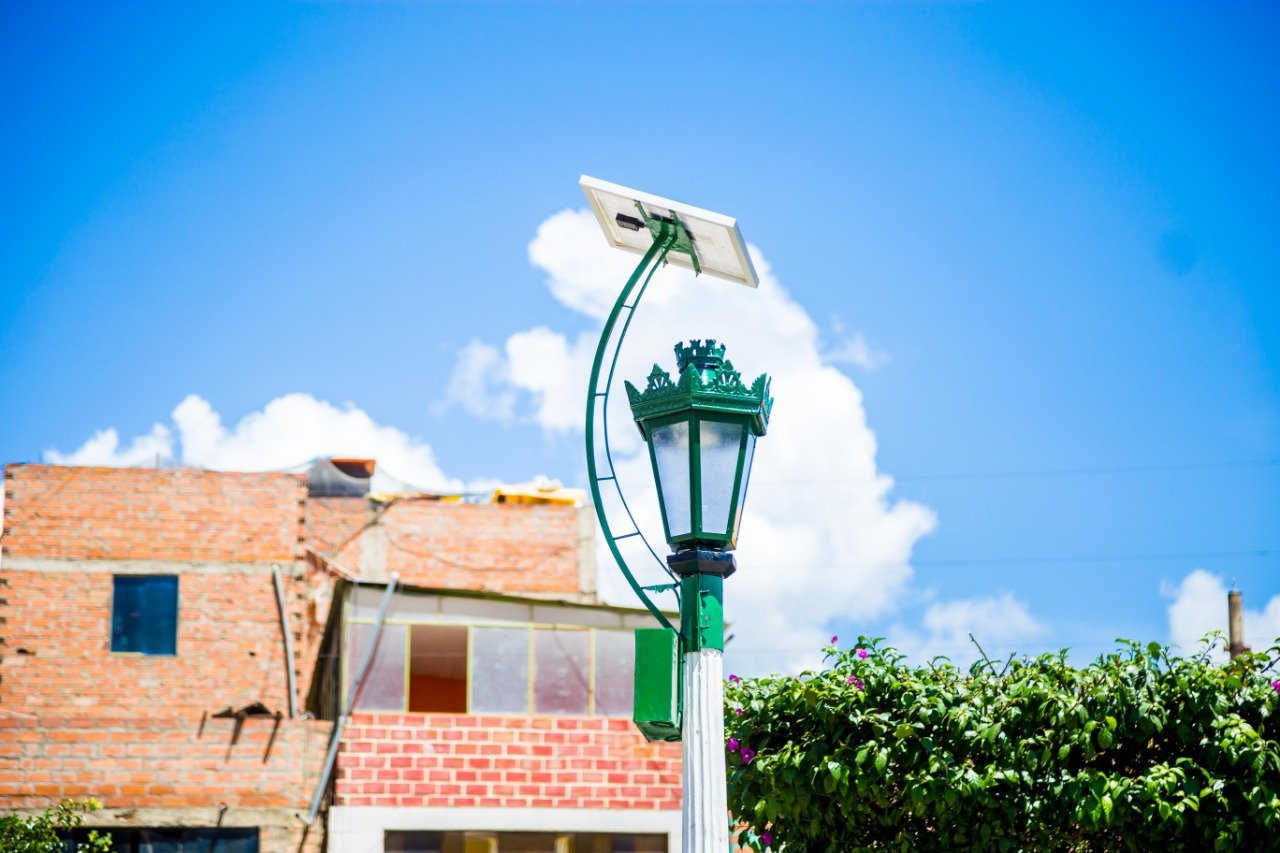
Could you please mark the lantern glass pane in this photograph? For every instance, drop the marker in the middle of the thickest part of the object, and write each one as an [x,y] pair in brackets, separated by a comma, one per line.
[742,485]
[720,443]
[670,445]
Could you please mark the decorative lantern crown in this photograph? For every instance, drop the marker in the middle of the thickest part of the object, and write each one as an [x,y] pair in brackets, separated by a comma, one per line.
[707,382]
[706,357]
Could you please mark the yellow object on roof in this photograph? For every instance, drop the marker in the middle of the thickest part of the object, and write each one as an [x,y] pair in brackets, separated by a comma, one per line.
[552,493]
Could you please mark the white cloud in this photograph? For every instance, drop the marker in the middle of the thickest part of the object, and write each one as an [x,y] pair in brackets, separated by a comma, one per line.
[477,383]
[858,352]
[1200,605]
[575,275]
[545,364]
[290,430]
[822,538]
[103,448]
[999,623]
[539,362]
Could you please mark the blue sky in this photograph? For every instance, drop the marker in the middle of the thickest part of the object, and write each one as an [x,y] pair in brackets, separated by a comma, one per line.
[1038,239]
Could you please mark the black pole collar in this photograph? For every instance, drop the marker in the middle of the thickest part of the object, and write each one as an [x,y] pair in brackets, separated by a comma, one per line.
[701,561]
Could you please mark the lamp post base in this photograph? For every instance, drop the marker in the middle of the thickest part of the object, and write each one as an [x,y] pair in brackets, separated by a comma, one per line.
[705,808]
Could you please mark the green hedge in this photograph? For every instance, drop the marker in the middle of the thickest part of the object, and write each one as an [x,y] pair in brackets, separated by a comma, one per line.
[42,832]
[1140,750]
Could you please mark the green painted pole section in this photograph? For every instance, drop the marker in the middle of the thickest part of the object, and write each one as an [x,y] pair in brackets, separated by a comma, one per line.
[657,252]
[702,612]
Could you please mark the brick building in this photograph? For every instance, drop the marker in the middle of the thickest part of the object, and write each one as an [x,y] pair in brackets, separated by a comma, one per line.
[180,645]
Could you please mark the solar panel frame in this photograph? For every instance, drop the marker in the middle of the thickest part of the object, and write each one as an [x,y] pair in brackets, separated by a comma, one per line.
[718,240]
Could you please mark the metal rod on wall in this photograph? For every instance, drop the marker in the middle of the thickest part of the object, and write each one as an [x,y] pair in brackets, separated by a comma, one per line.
[288,643]
[365,660]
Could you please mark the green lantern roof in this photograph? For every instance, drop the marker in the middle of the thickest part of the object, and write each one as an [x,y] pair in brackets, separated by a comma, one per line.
[707,382]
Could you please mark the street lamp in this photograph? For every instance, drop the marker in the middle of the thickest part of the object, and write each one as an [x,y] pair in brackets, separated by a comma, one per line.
[700,429]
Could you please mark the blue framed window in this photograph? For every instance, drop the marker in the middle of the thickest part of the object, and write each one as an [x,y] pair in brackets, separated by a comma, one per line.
[144,614]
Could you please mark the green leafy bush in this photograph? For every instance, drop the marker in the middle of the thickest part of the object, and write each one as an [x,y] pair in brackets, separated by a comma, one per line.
[39,833]
[1140,750]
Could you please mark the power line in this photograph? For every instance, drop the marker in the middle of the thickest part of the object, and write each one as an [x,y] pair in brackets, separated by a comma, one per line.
[1032,473]
[1262,553]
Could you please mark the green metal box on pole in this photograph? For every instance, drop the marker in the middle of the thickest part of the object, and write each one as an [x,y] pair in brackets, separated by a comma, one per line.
[657,686]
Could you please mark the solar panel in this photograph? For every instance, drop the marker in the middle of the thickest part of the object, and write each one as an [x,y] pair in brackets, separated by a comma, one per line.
[716,238]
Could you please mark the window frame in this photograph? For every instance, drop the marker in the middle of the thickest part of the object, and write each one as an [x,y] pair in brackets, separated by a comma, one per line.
[401,838]
[347,665]
[177,608]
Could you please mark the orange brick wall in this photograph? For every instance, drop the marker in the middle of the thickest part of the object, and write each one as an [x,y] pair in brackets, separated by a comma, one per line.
[142,514]
[334,526]
[496,547]
[136,732]
[482,761]
[230,648]
[132,762]
[58,636]
[166,771]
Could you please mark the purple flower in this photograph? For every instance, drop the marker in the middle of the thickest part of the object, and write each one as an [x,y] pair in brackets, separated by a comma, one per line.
[747,754]
[862,653]
[834,639]
[733,744]
[738,711]
[766,838]
[735,679]
[856,682]
[1275,685]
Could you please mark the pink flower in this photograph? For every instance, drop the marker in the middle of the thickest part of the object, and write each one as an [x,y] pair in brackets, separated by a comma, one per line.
[735,679]
[733,744]
[747,754]
[766,838]
[1275,685]
[862,653]
[856,682]
[834,639]
[738,711]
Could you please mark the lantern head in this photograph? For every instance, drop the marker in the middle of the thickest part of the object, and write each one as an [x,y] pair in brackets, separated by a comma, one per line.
[701,430]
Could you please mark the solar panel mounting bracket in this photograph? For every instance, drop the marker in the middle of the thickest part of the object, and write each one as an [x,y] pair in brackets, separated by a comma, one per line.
[680,238]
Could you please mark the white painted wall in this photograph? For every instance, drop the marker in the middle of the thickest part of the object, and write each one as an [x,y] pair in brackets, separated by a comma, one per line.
[359,829]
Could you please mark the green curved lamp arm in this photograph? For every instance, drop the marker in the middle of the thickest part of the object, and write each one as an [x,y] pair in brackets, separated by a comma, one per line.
[653,258]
